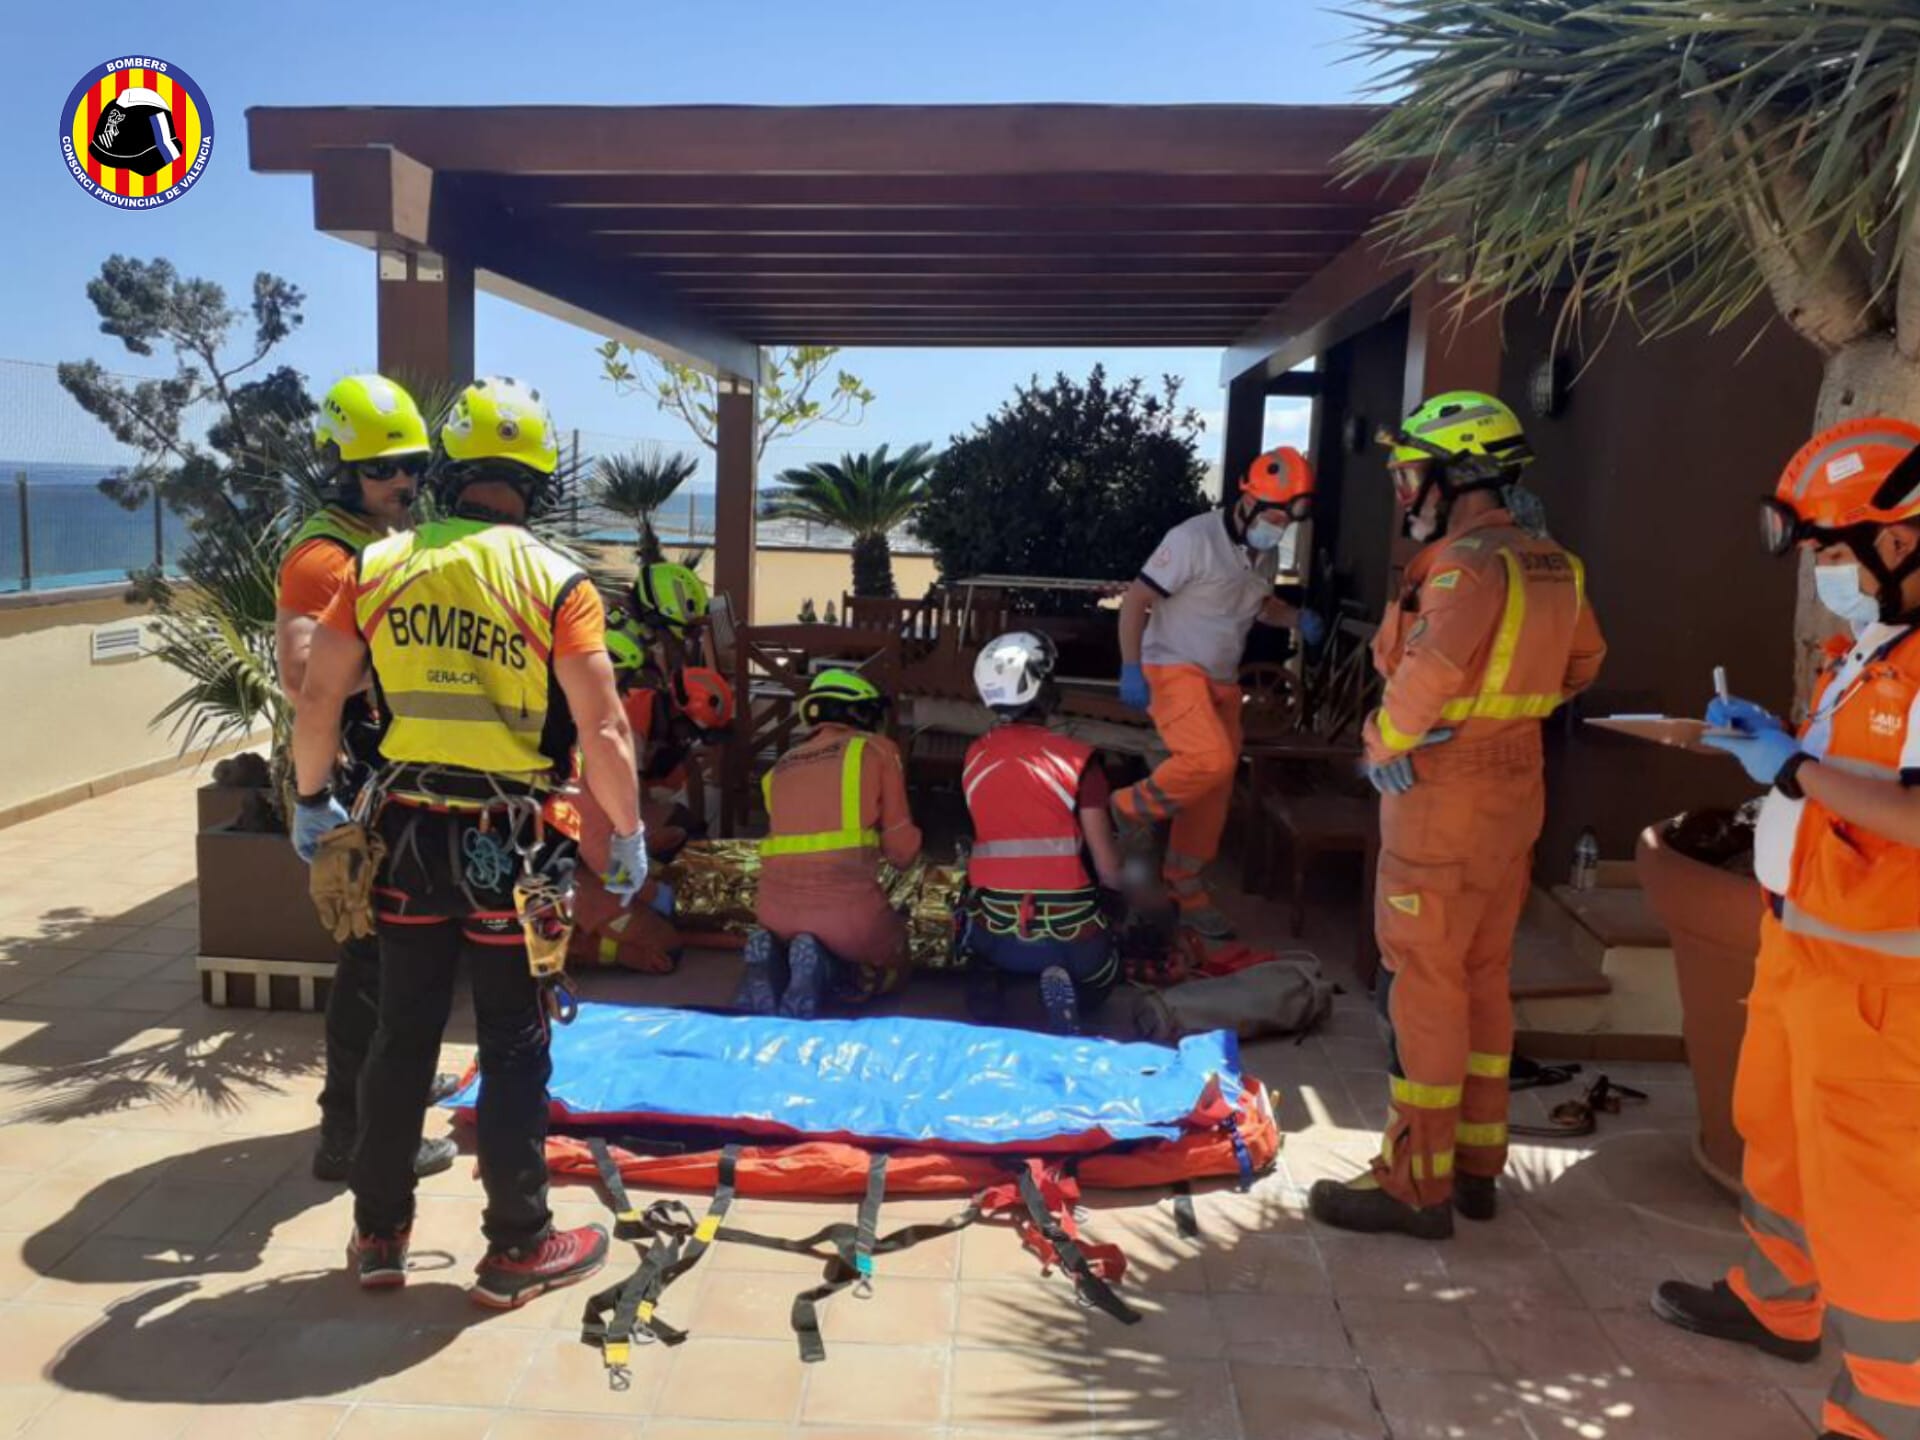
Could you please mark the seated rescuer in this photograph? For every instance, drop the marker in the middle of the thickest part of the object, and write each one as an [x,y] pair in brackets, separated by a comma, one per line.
[372,439]
[1183,628]
[836,806]
[1039,807]
[665,609]
[1491,632]
[485,648]
[1828,1091]
[693,706]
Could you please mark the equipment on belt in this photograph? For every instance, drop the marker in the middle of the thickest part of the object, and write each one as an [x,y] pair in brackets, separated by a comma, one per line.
[872,1108]
[341,880]
[1843,486]
[545,908]
[1457,442]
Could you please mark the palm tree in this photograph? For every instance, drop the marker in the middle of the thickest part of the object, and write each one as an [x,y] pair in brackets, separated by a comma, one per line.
[866,495]
[637,485]
[1669,164]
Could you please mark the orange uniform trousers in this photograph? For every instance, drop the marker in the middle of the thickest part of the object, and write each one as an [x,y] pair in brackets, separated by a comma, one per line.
[1198,718]
[1828,1101]
[1456,852]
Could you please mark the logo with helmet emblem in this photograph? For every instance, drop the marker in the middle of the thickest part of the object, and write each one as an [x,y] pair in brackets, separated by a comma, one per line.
[136,132]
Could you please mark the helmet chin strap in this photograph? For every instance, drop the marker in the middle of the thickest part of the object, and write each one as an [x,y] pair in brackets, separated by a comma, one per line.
[1892,578]
[1473,474]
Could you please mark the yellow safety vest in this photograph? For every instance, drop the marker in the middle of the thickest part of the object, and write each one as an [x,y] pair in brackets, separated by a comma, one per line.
[459,617]
[850,836]
[341,526]
[1494,701]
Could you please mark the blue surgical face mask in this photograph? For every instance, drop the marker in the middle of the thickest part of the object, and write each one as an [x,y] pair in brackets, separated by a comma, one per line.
[1838,587]
[1262,536]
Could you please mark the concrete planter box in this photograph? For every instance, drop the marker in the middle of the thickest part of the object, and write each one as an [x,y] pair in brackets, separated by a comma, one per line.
[260,942]
[1713,916]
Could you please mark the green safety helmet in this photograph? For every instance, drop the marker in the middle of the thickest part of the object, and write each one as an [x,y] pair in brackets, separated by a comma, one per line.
[629,656]
[368,420]
[670,594]
[843,697]
[1458,425]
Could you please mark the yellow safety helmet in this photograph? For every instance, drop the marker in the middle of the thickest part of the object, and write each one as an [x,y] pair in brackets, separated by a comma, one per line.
[369,417]
[843,697]
[499,418]
[671,595]
[1458,425]
[628,655]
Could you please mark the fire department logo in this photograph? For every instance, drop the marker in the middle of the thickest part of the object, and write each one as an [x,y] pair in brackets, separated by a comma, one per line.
[137,133]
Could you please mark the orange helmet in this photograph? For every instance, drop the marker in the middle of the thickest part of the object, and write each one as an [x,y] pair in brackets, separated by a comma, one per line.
[1281,480]
[1857,475]
[703,696]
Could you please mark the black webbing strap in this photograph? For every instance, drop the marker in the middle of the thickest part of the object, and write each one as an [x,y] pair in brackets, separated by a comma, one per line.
[1094,1290]
[851,1265]
[1185,1220]
[617,1317]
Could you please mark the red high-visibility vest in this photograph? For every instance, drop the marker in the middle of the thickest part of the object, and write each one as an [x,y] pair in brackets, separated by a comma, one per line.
[1022,782]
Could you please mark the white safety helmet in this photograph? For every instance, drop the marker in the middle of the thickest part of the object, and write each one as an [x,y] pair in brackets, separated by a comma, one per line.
[1013,669]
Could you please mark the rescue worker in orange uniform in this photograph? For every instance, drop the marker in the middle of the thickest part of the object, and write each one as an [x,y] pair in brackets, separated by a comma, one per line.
[373,441]
[1041,837]
[1491,632]
[693,705]
[1828,1092]
[487,650]
[836,807]
[1183,628]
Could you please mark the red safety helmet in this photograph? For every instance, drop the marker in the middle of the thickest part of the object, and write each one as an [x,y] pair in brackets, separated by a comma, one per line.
[702,695]
[1850,478]
[1281,480]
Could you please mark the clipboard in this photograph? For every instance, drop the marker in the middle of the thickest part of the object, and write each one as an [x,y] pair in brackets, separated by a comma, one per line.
[1676,732]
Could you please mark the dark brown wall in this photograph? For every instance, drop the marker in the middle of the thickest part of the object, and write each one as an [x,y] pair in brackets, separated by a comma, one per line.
[1364,379]
[1652,474]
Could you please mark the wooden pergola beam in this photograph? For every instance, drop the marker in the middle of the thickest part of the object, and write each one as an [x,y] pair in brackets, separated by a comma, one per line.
[1276,222]
[383,198]
[1357,287]
[1308,193]
[1270,288]
[927,140]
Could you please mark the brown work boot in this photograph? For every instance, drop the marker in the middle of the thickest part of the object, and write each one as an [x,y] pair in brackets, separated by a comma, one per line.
[1361,1205]
[1476,1197]
[1716,1311]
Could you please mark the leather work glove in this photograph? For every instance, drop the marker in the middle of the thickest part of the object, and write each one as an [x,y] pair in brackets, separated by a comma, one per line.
[627,865]
[341,880]
[313,820]
[1135,693]
[1764,753]
[1743,715]
[1395,776]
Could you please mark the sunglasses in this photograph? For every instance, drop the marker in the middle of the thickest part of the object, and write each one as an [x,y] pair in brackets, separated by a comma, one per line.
[386,471]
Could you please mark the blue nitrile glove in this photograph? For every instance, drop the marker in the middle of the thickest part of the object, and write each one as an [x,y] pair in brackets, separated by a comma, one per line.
[1395,776]
[1313,627]
[1135,693]
[627,865]
[312,821]
[1734,713]
[662,902]
[1763,752]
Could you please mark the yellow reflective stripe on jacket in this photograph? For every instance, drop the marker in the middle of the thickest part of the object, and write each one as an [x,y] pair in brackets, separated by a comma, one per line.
[850,836]
[1391,735]
[1493,703]
[1488,1067]
[1424,1097]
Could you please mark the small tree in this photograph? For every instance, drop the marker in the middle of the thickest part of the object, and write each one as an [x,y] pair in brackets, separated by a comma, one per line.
[868,496]
[1068,480]
[794,393]
[1671,164]
[638,485]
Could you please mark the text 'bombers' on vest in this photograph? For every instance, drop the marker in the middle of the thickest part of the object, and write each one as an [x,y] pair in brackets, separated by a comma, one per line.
[452,627]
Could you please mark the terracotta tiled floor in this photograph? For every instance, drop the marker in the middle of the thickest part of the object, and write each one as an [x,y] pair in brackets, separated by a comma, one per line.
[167,1269]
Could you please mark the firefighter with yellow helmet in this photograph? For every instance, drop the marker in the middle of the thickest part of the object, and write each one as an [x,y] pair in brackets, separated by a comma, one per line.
[487,652]
[1491,631]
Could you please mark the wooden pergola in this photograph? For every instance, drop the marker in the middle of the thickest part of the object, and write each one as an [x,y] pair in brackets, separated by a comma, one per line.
[705,233]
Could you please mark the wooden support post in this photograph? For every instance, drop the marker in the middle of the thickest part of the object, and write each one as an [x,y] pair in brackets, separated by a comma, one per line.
[425,317]
[734,499]
[1245,430]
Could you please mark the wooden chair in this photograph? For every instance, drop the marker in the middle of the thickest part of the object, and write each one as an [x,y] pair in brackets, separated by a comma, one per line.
[1316,823]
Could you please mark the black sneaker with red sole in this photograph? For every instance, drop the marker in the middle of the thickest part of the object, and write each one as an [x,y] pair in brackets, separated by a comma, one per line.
[508,1279]
[379,1261]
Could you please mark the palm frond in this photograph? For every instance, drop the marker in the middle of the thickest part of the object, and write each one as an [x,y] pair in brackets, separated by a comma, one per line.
[866,495]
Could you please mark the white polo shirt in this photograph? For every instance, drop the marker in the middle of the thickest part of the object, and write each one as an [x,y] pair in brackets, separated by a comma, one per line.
[1778,829]
[1210,588]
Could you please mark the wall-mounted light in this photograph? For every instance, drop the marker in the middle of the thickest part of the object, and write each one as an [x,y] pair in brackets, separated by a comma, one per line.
[1547,386]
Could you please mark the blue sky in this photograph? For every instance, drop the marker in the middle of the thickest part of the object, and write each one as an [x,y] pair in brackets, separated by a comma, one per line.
[242,54]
